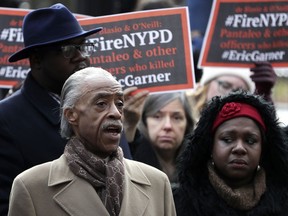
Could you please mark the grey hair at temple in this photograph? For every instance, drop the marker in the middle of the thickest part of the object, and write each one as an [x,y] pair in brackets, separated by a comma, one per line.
[72,90]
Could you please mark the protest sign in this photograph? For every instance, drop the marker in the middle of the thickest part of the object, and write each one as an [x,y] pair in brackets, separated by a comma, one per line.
[147,49]
[11,40]
[245,31]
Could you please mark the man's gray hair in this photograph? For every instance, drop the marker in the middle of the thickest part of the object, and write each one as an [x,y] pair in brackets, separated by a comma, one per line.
[72,90]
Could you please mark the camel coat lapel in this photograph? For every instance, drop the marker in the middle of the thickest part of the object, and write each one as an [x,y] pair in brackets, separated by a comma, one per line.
[77,197]
[135,179]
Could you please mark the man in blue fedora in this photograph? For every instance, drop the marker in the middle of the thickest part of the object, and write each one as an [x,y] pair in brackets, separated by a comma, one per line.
[56,46]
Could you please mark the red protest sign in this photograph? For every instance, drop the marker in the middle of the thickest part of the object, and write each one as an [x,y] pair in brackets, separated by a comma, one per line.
[242,32]
[147,49]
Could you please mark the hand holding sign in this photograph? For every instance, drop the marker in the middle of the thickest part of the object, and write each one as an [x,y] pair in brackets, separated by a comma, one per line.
[133,107]
[264,78]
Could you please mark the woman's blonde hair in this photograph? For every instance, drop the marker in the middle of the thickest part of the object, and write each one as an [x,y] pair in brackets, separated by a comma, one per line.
[198,99]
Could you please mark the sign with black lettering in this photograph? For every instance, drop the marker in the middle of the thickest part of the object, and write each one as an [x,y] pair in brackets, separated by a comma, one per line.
[246,31]
[147,49]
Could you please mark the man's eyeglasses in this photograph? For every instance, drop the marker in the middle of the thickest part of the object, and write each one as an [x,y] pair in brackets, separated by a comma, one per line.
[69,51]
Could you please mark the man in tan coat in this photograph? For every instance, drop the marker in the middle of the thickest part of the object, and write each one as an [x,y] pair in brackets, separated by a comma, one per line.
[91,177]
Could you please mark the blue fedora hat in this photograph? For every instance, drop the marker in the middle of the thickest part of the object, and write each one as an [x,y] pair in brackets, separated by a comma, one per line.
[49,25]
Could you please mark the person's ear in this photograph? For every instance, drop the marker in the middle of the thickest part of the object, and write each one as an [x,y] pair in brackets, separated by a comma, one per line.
[71,115]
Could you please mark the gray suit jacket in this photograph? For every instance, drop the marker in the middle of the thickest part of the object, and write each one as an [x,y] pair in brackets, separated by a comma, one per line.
[52,189]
